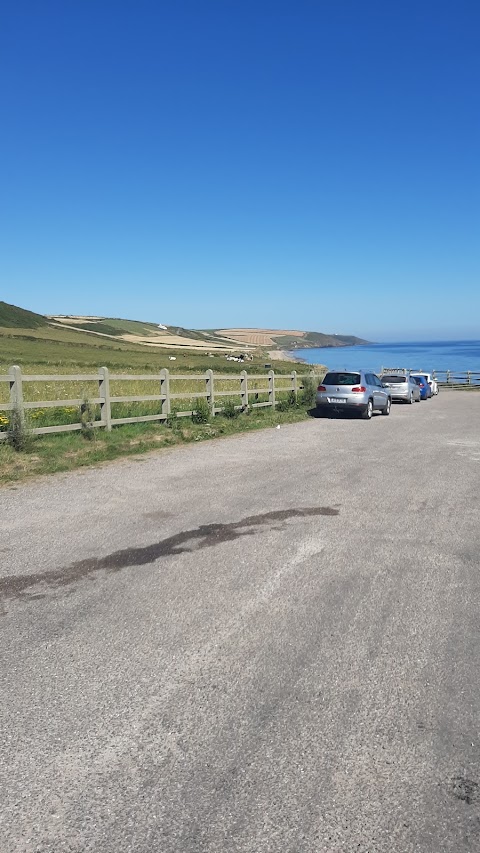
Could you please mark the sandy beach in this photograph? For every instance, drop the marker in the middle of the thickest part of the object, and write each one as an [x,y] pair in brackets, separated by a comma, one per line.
[283,355]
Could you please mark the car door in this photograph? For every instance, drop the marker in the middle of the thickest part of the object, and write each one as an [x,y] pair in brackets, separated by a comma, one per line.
[381,392]
[372,387]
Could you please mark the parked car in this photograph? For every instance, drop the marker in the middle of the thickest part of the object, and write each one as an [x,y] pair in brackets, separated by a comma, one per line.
[402,386]
[353,391]
[431,381]
[425,390]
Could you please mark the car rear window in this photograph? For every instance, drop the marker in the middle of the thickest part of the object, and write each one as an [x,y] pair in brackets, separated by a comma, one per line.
[392,379]
[420,380]
[342,379]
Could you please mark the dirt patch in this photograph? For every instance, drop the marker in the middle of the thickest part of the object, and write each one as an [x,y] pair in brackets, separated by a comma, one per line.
[206,536]
[465,789]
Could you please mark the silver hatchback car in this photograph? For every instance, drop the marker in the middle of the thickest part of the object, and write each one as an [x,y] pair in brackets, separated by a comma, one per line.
[355,391]
[402,386]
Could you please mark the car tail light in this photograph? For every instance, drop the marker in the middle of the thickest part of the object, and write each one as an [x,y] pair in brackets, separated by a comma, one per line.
[359,389]
[321,388]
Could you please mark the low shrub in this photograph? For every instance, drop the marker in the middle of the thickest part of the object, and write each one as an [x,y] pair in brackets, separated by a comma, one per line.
[229,410]
[287,403]
[201,414]
[308,392]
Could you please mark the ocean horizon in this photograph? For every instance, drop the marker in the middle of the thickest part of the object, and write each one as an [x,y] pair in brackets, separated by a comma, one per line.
[456,356]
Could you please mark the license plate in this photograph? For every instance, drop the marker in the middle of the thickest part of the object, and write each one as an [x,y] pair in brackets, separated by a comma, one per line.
[336,400]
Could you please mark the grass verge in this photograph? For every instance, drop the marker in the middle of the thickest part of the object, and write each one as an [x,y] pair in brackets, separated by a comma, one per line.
[68,451]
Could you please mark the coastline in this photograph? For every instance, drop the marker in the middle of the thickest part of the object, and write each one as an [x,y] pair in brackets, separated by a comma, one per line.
[284,355]
[458,357]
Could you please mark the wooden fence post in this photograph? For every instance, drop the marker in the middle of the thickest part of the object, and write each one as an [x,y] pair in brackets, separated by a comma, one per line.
[244,389]
[210,391]
[165,391]
[271,388]
[448,376]
[294,384]
[16,391]
[469,377]
[104,394]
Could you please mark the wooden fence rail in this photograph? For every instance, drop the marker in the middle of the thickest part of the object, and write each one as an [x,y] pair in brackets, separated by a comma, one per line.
[458,378]
[445,378]
[246,387]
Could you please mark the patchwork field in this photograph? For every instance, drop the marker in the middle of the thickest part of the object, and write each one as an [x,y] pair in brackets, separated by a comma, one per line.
[125,334]
[258,337]
[285,339]
[145,334]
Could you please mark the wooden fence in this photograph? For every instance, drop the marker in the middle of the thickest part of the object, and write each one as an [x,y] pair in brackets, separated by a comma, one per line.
[245,389]
[446,378]
[463,378]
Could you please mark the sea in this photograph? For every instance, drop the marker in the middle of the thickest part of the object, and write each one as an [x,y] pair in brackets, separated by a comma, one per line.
[456,356]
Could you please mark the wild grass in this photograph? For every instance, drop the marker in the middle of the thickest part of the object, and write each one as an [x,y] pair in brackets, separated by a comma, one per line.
[67,451]
[13,317]
[66,389]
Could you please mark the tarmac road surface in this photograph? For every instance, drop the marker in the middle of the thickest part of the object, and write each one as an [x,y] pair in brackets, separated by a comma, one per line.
[264,644]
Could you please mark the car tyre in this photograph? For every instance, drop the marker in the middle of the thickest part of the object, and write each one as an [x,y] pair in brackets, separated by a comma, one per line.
[411,399]
[386,410]
[368,411]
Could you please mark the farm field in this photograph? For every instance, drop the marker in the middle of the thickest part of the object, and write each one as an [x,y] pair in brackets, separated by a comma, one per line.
[66,350]
[50,350]
[258,337]
[285,339]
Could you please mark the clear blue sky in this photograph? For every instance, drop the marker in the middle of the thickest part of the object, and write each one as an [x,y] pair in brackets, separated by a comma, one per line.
[310,164]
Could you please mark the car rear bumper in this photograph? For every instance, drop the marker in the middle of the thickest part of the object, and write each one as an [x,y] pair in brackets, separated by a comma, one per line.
[350,403]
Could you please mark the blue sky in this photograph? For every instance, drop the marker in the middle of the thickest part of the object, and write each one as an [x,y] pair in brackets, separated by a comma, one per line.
[227,162]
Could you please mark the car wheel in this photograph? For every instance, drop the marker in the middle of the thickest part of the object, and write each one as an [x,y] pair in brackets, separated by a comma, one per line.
[368,411]
[417,399]
[411,399]
[386,410]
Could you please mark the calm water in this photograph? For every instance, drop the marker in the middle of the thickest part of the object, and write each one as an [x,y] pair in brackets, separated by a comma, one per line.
[435,355]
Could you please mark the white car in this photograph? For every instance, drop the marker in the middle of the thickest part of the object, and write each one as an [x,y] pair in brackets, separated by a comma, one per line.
[428,376]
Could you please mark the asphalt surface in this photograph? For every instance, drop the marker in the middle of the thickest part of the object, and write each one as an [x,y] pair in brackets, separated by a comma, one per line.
[264,643]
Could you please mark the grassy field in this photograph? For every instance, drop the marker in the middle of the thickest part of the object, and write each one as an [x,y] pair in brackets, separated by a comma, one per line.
[67,350]
[50,350]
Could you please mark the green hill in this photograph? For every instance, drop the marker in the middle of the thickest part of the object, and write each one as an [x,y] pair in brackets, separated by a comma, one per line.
[310,340]
[12,317]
